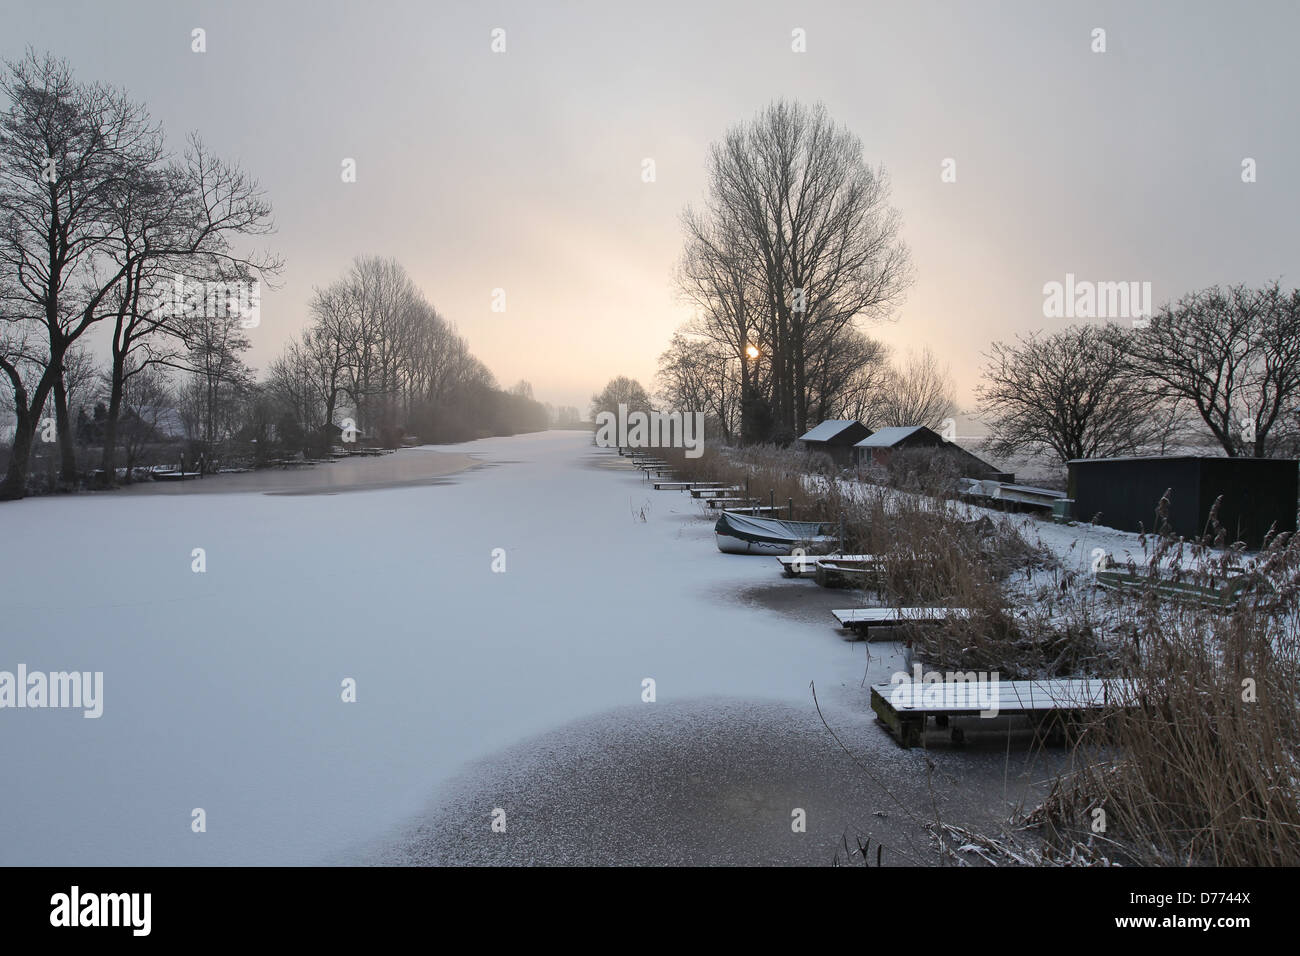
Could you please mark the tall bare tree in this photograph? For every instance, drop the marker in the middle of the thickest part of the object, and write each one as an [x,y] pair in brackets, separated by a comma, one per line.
[916,392]
[791,194]
[66,148]
[1234,356]
[1073,392]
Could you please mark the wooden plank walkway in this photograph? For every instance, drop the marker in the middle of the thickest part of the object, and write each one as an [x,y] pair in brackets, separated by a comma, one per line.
[904,708]
[712,490]
[863,619]
[725,503]
[678,484]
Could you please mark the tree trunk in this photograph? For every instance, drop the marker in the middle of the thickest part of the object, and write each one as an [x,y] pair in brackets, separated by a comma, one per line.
[14,485]
[109,461]
[67,438]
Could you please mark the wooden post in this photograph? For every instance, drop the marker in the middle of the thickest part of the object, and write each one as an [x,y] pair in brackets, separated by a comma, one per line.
[790,503]
[772,493]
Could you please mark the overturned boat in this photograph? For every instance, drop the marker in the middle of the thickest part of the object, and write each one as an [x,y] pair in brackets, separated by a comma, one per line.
[743,534]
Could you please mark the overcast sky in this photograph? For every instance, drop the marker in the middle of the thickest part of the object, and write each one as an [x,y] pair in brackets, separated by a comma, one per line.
[522,170]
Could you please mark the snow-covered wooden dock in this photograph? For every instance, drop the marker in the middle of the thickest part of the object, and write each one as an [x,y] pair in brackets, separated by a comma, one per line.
[865,618]
[905,707]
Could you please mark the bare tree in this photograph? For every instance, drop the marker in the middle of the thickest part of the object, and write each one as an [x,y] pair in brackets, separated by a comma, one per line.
[65,149]
[1234,356]
[620,391]
[1072,392]
[918,392]
[149,409]
[791,194]
[847,377]
[697,374]
[170,226]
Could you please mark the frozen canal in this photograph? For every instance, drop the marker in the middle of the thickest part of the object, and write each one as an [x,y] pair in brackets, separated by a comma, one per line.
[476,689]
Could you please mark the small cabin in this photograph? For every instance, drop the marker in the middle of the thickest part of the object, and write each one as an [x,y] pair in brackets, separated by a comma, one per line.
[836,438]
[879,447]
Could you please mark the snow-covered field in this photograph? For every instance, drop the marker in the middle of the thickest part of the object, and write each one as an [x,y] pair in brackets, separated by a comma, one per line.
[223,689]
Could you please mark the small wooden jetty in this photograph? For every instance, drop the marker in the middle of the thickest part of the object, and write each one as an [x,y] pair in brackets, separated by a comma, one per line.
[904,708]
[682,484]
[862,619]
[709,491]
[757,509]
[727,503]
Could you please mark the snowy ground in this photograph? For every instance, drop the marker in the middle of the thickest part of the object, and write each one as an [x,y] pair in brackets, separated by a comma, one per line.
[222,689]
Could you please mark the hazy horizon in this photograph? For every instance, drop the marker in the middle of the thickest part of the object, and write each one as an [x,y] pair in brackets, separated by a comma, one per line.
[522,170]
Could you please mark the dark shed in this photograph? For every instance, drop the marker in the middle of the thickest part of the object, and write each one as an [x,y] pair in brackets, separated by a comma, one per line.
[836,437]
[1258,493]
[878,448]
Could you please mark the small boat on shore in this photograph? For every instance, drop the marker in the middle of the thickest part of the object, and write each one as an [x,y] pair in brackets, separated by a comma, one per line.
[746,534]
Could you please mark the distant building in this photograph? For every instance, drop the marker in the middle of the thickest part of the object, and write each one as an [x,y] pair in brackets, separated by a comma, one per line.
[1124,493]
[836,437]
[879,447]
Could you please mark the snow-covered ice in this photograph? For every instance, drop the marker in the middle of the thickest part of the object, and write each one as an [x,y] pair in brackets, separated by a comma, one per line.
[222,690]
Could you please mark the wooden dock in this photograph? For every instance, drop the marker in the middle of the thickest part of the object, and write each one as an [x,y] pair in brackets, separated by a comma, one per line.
[711,490]
[904,708]
[726,503]
[861,620]
[680,484]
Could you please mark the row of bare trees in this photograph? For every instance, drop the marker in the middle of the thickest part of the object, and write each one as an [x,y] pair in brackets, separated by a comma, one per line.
[96,216]
[1220,363]
[378,350]
[794,245]
[858,379]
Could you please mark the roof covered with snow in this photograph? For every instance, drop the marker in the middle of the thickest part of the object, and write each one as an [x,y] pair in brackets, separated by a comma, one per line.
[889,437]
[829,429]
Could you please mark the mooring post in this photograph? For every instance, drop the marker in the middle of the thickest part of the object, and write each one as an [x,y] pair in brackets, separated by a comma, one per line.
[790,504]
[772,499]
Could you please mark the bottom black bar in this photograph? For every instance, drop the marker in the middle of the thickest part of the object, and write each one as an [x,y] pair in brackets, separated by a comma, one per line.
[371,904]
